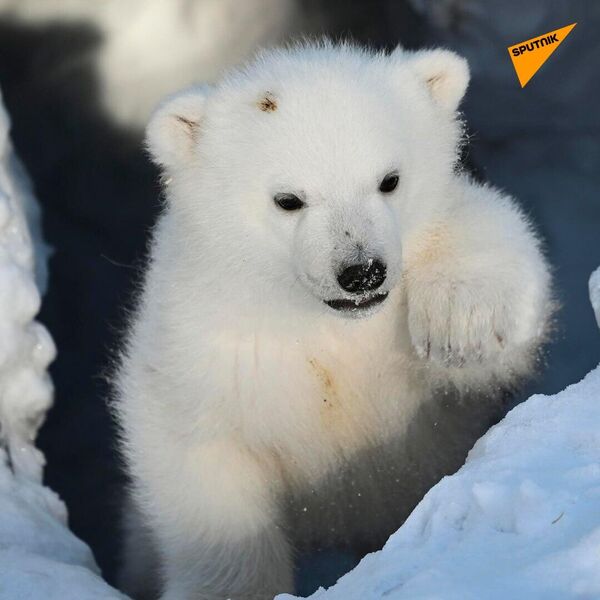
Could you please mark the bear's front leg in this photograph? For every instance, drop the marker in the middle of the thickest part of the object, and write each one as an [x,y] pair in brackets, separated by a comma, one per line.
[478,290]
[211,509]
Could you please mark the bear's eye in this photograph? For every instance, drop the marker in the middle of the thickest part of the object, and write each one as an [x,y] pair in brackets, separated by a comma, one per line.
[288,201]
[389,182]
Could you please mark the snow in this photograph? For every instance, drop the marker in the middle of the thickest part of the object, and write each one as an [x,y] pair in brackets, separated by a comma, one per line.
[26,349]
[39,556]
[519,520]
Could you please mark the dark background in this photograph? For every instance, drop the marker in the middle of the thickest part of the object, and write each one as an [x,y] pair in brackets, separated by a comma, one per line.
[99,194]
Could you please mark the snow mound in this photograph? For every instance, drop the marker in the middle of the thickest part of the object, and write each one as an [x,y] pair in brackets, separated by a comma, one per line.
[519,520]
[39,556]
[26,349]
[40,559]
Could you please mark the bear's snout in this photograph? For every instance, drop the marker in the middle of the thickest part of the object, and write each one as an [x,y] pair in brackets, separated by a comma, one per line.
[362,277]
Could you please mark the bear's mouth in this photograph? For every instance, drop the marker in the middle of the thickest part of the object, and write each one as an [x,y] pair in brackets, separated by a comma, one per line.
[358,304]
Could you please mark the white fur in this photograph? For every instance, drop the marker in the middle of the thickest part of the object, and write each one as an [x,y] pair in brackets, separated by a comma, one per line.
[238,383]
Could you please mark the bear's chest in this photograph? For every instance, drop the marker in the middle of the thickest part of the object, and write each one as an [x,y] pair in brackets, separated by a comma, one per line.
[314,401]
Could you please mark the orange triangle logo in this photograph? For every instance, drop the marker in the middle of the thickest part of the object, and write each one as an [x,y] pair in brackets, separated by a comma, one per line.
[527,57]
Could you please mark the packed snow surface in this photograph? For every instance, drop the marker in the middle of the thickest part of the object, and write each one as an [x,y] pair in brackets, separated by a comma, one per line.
[520,520]
[39,556]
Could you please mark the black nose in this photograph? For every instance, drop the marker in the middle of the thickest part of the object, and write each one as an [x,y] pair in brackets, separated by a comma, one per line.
[362,277]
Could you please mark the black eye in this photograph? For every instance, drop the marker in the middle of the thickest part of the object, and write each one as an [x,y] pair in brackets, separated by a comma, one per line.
[389,183]
[288,201]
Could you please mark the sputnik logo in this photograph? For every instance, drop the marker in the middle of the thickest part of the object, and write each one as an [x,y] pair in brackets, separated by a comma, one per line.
[528,56]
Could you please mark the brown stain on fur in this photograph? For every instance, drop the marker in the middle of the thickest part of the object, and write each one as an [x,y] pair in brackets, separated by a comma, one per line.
[346,427]
[327,384]
[268,103]
[330,409]
[324,377]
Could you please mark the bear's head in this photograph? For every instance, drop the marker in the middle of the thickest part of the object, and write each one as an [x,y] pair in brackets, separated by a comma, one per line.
[302,174]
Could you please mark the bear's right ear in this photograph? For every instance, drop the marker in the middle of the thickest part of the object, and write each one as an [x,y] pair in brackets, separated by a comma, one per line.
[172,133]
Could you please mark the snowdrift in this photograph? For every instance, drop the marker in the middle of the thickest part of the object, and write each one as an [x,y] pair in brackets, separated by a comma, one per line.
[39,556]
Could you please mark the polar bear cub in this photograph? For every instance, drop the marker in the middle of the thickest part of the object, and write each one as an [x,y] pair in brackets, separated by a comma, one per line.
[320,269]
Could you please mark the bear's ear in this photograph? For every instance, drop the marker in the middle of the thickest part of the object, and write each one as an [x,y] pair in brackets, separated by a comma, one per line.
[444,73]
[172,133]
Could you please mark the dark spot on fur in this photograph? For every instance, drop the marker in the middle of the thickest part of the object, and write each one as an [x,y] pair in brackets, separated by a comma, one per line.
[433,83]
[435,79]
[268,102]
[191,125]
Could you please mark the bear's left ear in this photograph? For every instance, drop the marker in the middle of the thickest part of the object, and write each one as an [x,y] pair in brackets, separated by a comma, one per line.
[172,133]
[444,73]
